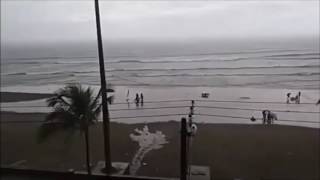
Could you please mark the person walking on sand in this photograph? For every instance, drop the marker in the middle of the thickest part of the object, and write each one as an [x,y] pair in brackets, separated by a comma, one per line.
[137,99]
[141,99]
[288,98]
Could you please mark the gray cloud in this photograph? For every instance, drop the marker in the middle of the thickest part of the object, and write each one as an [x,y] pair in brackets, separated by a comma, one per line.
[59,21]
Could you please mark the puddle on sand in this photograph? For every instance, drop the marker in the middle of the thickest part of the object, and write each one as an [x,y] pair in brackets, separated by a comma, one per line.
[147,141]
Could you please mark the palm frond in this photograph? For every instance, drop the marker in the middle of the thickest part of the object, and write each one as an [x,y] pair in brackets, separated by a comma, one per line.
[57,99]
[74,107]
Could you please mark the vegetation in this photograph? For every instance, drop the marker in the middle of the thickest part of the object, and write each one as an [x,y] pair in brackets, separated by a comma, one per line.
[74,108]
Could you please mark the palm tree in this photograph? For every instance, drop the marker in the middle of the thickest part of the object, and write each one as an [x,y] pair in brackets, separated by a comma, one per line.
[74,107]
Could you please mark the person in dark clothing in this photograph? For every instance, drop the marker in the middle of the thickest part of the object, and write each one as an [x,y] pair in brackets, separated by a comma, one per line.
[288,98]
[299,95]
[141,99]
[264,116]
[318,102]
[271,117]
[297,99]
[137,99]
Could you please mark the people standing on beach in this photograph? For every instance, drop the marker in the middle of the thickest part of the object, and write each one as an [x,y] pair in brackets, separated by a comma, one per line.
[271,117]
[264,116]
[297,99]
[288,98]
[299,95]
[137,99]
[141,99]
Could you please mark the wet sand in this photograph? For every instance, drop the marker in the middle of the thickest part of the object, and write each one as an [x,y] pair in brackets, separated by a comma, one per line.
[16,96]
[238,96]
[231,150]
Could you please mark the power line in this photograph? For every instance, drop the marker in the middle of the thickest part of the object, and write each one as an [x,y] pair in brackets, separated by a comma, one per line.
[186,100]
[146,102]
[170,107]
[24,106]
[125,117]
[31,121]
[130,117]
[164,115]
[247,118]
[124,109]
[142,108]
[255,102]
[253,109]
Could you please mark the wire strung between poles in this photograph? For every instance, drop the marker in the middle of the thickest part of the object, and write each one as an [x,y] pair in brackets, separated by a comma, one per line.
[253,109]
[143,108]
[254,102]
[149,102]
[130,117]
[164,115]
[246,118]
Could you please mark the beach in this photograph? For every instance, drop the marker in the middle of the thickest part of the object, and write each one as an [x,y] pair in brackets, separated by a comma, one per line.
[244,74]
[240,82]
[230,150]
[227,105]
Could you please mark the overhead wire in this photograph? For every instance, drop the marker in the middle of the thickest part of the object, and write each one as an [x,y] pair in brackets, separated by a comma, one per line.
[254,109]
[172,107]
[246,118]
[254,102]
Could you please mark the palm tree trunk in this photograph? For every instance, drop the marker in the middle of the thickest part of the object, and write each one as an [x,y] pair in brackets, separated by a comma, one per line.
[86,134]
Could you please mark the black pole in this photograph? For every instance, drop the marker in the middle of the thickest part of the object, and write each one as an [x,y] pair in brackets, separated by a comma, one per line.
[183,150]
[105,111]
[86,134]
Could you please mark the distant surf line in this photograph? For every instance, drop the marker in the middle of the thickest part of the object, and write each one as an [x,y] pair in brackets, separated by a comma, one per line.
[87,73]
[291,57]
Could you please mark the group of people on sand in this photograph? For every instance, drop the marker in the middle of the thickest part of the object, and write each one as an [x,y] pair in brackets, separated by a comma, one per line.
[139,99]
[268,117]
[295,99]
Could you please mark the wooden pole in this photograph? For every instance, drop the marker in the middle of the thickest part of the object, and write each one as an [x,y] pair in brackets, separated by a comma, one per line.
[183,150]
[105,111]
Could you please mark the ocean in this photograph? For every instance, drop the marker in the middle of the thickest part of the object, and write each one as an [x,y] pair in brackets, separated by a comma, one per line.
[240,73]
[264,65]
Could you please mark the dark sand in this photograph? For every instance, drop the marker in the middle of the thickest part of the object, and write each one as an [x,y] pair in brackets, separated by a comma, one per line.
[231,151]
[15,97]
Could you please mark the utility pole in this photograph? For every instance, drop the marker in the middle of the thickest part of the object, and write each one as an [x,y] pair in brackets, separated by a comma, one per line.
[105,111]
[183,150]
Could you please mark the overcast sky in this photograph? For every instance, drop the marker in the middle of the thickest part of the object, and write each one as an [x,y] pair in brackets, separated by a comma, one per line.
[59,21]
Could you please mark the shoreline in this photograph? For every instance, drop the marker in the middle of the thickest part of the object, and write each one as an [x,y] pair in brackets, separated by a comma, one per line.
[21,96]
[239,103]
[229,92]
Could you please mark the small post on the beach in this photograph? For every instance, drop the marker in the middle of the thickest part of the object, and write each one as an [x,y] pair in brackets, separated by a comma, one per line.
[105,111]
[183,150]
[191,113]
